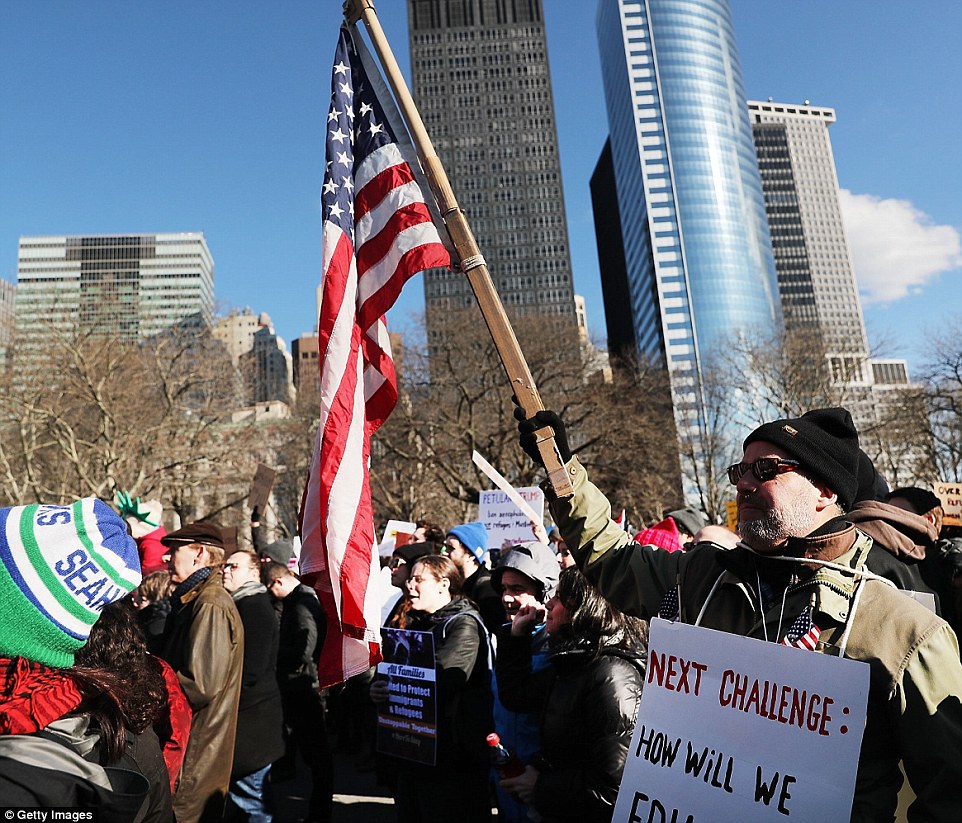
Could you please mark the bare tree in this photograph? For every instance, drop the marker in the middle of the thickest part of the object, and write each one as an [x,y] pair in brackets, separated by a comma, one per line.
[87,414]
[943,396]
[455,400]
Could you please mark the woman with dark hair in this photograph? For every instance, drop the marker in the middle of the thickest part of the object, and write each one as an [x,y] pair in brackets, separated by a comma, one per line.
[588,698]
[116,645]
[459,780]
[63,727]
[152,601]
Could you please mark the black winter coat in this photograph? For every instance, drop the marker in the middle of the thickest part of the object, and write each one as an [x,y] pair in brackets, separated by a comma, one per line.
[302,631]
[588,708]
[260,721]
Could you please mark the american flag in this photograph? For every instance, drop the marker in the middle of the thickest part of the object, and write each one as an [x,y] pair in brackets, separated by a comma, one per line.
[377,233]
[803,633]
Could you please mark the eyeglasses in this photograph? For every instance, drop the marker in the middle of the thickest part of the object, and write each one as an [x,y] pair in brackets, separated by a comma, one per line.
[764,469]
[447,548]
[229,566]
[396,562]
[420,578]
[273,583]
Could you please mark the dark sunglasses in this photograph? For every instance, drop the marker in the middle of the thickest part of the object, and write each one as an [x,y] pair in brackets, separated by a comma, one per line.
[396,562]
[764,469]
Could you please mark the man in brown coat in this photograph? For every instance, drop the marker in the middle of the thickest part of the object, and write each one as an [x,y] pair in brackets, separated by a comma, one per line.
[204,644]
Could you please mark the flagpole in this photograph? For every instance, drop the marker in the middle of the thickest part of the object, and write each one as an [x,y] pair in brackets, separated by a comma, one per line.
[471,261]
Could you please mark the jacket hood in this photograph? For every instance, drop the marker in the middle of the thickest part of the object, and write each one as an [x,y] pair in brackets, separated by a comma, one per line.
[902,533]
[535,561]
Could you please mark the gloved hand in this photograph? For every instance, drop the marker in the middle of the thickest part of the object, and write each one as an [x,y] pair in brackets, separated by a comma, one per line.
[528,440]
[950,552]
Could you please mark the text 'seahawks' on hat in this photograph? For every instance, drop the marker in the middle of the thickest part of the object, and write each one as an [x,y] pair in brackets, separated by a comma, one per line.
[824,442]
[59,566]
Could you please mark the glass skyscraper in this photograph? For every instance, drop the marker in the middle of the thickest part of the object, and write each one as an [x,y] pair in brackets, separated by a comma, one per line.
[689,199]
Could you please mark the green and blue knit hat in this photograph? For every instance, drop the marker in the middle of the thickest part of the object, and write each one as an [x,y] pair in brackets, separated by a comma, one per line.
[59,566]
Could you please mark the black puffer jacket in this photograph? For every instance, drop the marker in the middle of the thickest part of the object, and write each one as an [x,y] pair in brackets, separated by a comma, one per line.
[588,708]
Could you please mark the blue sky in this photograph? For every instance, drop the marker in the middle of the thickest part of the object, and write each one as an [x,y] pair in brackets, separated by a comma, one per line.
[120,117]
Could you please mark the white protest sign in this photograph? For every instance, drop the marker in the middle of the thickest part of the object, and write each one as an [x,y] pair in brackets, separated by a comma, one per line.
[732,728]
[391,531]
[504,520]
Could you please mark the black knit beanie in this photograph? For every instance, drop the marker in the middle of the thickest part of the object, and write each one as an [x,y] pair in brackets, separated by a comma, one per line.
[824,442]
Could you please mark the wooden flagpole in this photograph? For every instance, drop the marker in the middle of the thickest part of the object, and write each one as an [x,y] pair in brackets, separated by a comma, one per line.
[472,263]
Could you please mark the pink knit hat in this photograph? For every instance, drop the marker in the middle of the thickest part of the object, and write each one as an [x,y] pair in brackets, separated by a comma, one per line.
[665,535]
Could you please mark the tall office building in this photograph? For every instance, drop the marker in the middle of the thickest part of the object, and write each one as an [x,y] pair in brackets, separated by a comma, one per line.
[816,279]
[688,198]
[480,78]
[131,286]
[815,275]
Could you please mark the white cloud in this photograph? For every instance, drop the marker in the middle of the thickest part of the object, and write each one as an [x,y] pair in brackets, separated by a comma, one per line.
[896,249]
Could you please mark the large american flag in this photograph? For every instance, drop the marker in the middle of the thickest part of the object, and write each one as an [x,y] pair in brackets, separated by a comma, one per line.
[377,233]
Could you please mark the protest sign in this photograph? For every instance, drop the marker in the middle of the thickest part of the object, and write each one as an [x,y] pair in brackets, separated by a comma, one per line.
[261,485]
[951,496]
[731,515]
[394,530]
[732,728]
[504,520]
[407,722]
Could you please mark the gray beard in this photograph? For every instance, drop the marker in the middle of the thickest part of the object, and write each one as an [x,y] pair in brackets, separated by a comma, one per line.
[765,533]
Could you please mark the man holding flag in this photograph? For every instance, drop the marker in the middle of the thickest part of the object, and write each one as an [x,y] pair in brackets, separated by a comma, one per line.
[377,233]
[798,577]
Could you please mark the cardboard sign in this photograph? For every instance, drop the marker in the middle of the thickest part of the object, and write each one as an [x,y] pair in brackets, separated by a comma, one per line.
[951,496]
[504,520]
[407,723]
[261,487]
[731,513]
[732,728]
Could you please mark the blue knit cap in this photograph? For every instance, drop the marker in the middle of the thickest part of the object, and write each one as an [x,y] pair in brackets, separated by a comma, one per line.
[474,536]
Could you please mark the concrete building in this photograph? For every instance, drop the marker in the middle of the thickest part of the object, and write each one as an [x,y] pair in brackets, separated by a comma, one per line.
[816,279]
[306,357]
[267,367]
[129,286]
[698,265]
[236,331]
[480,78]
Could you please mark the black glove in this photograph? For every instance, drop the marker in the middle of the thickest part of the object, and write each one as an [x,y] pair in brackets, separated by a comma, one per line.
[527,428]
[950,552]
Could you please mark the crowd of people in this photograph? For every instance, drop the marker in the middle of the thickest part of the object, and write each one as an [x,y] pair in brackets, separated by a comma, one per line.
[173,676]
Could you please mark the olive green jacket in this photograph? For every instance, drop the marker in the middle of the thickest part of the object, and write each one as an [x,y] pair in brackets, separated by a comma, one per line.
[914,710]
